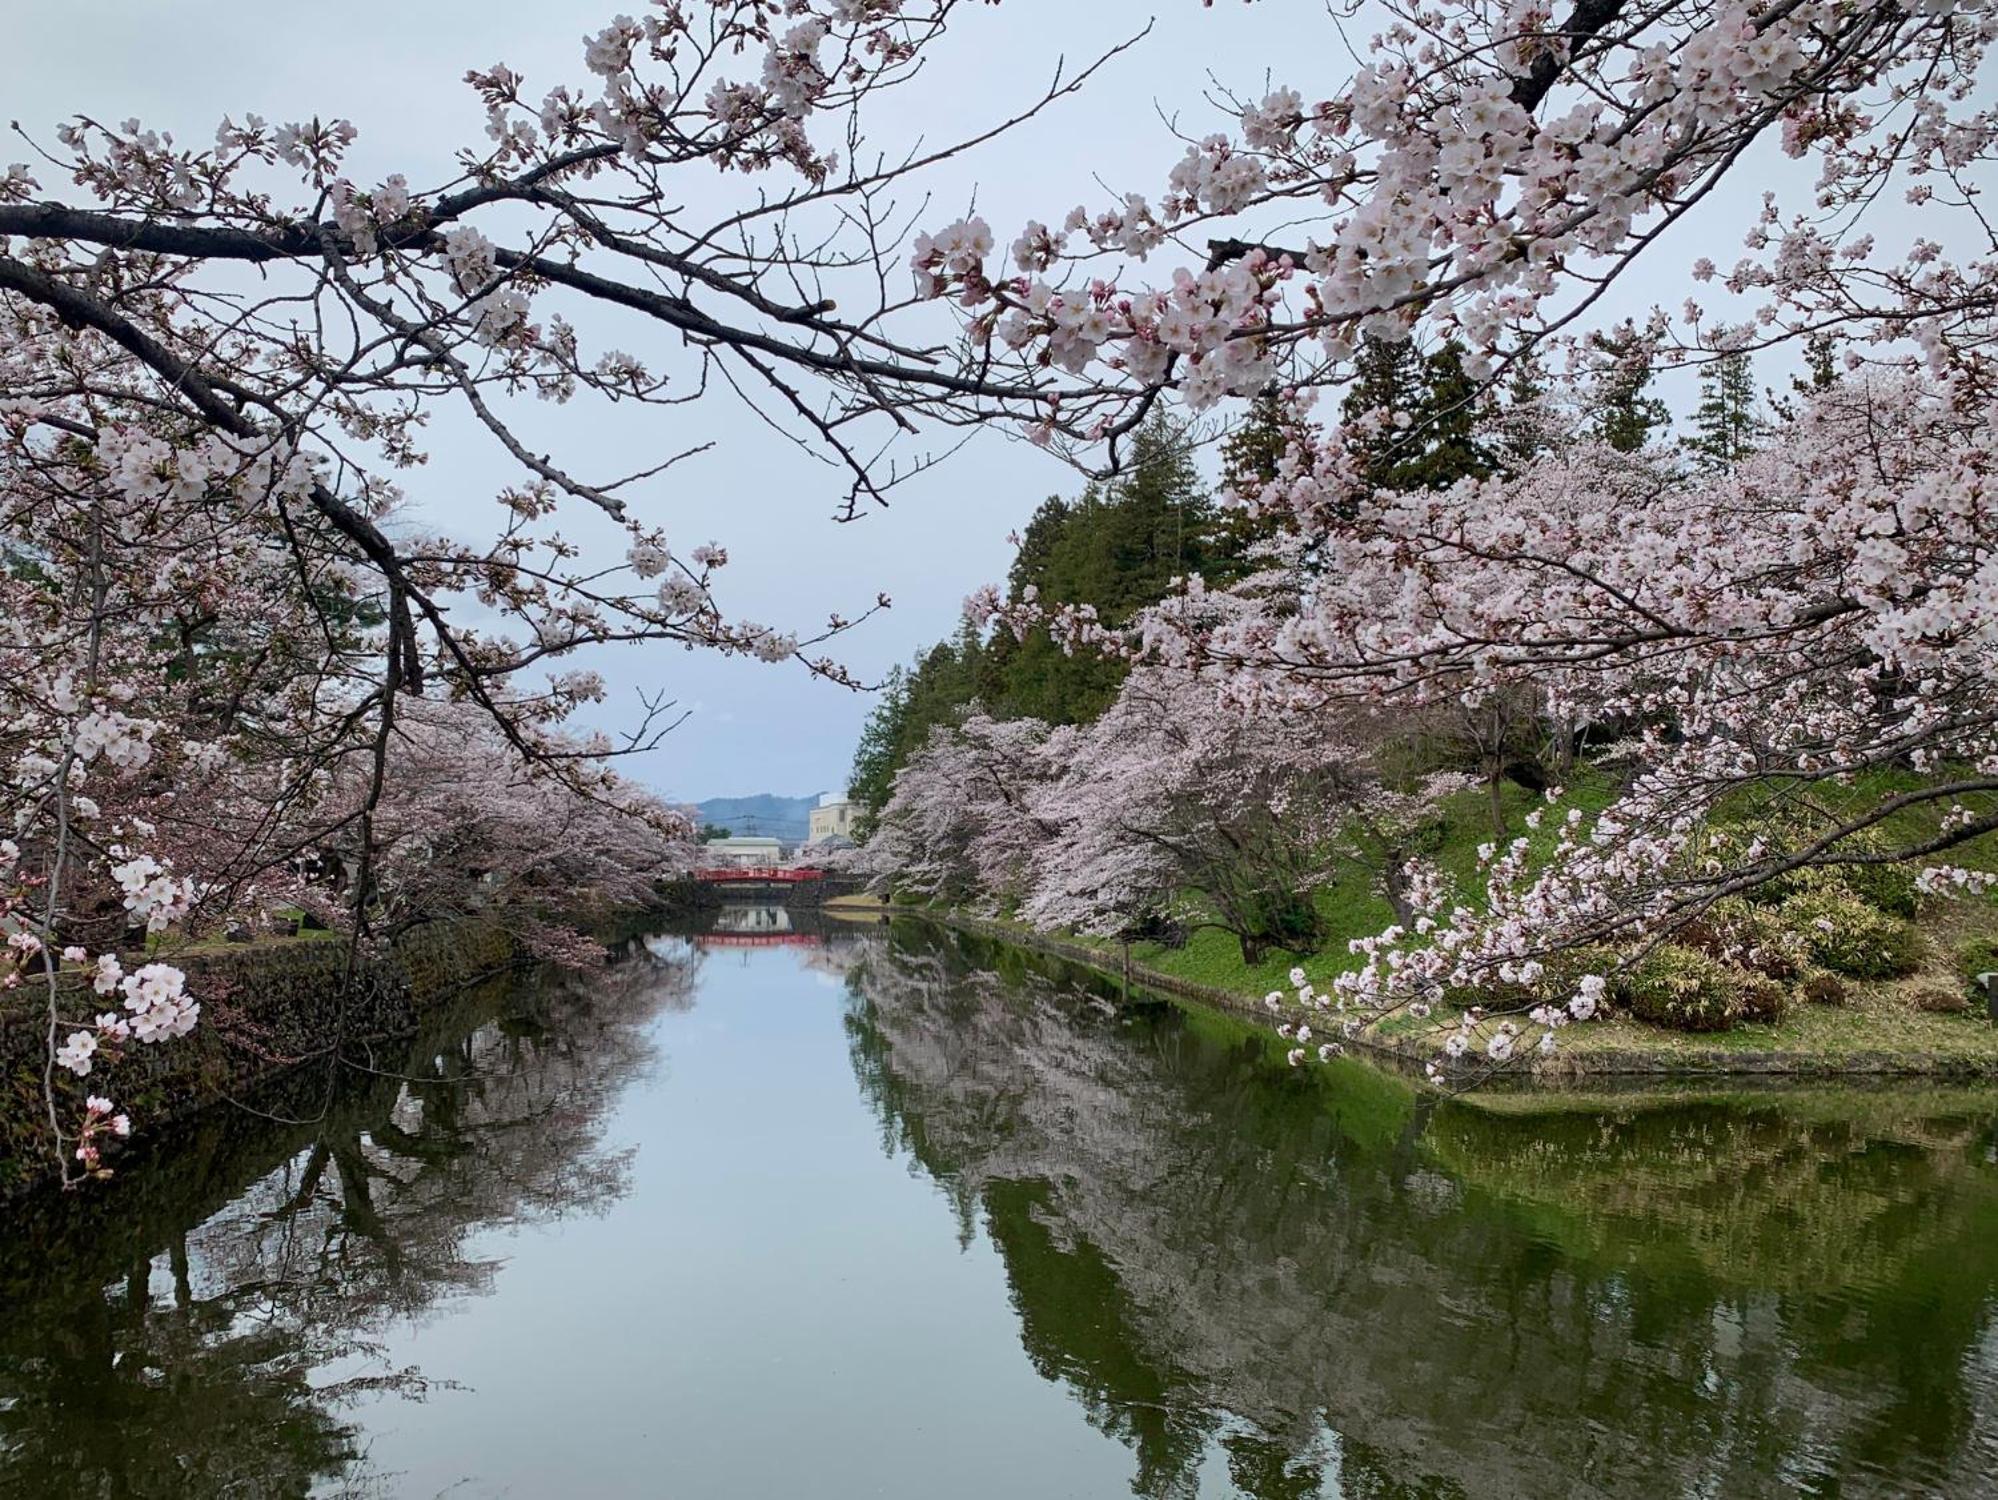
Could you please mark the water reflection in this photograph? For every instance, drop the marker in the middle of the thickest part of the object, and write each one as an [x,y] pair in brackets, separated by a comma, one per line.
[1248,1279]
[734,918]
[1351,1291]
[203,1326]
[744,924]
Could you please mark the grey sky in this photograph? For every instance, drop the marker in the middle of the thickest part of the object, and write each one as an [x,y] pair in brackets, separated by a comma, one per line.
[394,69]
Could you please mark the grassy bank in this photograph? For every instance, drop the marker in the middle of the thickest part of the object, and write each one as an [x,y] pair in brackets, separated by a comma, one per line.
[1902,1023]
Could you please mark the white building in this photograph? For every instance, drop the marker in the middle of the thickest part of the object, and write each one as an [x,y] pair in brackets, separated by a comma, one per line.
[742,853]
[833,818]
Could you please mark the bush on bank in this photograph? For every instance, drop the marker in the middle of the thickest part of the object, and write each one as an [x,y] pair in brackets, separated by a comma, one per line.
[1684,989]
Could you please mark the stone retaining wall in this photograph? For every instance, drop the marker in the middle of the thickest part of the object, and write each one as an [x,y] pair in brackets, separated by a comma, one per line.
[265,1007]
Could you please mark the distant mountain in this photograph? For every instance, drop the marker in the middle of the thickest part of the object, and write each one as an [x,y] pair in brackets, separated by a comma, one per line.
[787,818]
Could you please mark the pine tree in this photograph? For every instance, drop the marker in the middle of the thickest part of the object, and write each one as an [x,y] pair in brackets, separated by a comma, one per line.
[1449,430]
[874,758]
[1726,423]
[1160,518]
[1821,372]
[1250,457]
[1625,416]
[1387,379]
[1437,416]
[1037,545]
[1118,548]
[1251,453]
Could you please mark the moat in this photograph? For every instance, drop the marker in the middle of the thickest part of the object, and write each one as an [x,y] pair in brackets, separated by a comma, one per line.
[789,1208]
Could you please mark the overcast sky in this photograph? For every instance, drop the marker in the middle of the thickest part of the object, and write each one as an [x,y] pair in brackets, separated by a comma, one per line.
[394,69]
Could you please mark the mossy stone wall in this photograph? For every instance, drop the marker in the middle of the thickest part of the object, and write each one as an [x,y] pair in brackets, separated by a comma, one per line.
[265,1007]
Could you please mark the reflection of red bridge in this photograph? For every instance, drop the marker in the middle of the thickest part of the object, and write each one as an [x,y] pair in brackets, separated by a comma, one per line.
[758,874]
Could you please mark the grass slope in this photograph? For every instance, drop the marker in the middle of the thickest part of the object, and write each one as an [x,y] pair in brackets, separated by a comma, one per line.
[1880,1024]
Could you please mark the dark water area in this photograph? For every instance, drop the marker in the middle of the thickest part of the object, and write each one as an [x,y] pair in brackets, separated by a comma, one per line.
[787,1207]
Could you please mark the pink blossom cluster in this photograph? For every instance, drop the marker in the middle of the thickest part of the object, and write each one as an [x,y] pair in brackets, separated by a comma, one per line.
[1207,323]
[1486,168]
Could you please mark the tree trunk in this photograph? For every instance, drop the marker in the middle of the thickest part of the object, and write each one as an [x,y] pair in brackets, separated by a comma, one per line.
[1393,886]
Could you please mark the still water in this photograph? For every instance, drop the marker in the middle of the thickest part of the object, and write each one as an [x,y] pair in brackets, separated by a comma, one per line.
[783,1212]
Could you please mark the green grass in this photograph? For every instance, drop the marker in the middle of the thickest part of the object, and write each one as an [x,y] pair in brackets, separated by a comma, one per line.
[167,944]
[1881,1020]
[1353,909]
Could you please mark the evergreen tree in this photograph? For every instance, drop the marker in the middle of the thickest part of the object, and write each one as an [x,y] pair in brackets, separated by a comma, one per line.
[1726,423]
[1387,379]
[1820,372]
[1250,457]
[945,681]
[874,758]
[1037,544]
[1450,426]
[1251,453]
[1118,548]
[1625,417]
[1436,414]
[1528,424]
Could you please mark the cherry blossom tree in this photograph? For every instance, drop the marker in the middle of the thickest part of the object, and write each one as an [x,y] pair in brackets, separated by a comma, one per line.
[1804,637]
[218,362]
[961,825]
[463,827]
[1811,619]
[1490,171]
[1171,802]
[1173,805]
[77,734]
[1807,635]
[243,320]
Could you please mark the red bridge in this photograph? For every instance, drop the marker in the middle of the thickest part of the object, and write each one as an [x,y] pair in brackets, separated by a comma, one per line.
[758,875]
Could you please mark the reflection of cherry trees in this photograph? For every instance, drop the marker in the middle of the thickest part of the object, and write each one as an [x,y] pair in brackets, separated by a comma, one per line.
[500,1127]
[213,1315]
[1208,1249]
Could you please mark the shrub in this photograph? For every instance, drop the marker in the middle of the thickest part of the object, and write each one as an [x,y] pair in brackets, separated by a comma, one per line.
[1748,936]
[1687,990]
[1822,987]
[1888,888]
[1849,937]
[1761,999]
[1560,978]
[1885,887]
[1566,968]
[1978,956]
[1941,1000]
[1279,919]
[1156,927]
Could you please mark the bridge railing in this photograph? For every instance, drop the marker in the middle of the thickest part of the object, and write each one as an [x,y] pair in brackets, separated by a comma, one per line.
[720,874]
